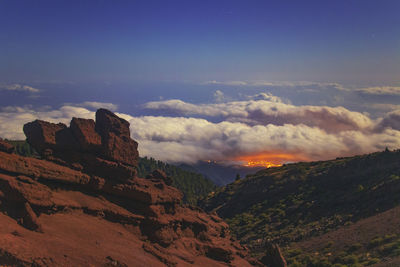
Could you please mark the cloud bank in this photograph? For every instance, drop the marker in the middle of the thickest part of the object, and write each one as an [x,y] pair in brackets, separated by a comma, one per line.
[19,87]
[271,111]
[278,84]
[13,118]
[243,128]
[381,90]
[96,105]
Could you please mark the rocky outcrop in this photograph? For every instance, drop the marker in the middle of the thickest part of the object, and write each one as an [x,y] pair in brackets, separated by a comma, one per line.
[86,135]
[115,136]
[103,148]
[45,136]
[160,175]
[83,205]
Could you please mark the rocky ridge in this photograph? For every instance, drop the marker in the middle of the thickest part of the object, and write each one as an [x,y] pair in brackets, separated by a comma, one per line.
[82,204]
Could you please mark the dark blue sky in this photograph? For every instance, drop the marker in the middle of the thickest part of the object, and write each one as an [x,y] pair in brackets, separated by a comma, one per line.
[130,52]
[344,41]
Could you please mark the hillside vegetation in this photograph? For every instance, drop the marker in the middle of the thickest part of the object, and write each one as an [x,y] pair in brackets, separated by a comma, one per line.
[297,203]
[23,148]
[193,185]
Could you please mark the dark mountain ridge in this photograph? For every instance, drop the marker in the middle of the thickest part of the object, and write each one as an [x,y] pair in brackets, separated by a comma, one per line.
[220,174]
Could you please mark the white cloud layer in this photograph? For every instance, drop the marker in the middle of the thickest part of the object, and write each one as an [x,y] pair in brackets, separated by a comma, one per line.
[390,120]
[19,87]
[272,111]
[13,118]
[96,105]
[219,96]
[247,128]
[381,90]
[189,139]
[265,96]
[328,85]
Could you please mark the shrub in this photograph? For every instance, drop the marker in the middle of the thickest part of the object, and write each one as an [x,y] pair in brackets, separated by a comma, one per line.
[375,242]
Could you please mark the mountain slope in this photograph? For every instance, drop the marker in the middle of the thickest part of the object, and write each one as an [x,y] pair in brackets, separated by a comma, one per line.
[297,202]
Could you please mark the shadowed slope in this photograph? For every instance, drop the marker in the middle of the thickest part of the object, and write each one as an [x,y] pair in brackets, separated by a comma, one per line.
[299,202]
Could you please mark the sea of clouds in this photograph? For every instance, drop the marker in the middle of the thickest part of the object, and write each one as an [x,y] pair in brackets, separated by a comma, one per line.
[227,130]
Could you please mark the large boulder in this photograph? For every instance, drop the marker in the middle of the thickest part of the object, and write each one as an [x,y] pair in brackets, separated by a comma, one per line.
[84,131]
[116,140]
[107,122]
[43,135]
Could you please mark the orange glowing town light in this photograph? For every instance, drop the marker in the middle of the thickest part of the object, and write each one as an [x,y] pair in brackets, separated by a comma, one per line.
[261,163]
[270,159]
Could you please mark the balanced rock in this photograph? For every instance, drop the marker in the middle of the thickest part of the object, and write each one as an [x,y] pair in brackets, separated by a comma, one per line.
[107,122]
[116,140]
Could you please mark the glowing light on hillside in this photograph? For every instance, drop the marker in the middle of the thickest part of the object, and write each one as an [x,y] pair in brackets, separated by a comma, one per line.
[261,163]
[269,159]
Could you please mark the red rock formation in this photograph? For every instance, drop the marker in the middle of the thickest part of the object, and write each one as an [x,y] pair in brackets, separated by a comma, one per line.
[115,135]
[43,135]
[103,148]
[160,175]
[84,205]
[84,131]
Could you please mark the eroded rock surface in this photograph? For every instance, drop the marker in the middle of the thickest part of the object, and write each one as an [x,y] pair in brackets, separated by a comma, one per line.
[86,135]
[83,205]
[115,136]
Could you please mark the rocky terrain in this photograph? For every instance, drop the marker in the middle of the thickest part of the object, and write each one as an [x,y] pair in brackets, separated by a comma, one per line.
[82,204]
